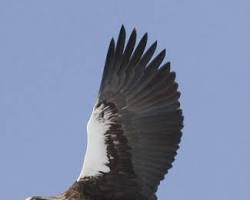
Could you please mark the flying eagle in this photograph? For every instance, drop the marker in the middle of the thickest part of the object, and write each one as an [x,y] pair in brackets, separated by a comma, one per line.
[134,130]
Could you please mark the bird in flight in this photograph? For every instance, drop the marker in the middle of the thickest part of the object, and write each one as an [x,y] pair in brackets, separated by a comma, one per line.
[134,130]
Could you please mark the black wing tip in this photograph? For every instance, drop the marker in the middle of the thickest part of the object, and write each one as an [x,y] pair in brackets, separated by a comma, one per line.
[122,28]
[166,65]
[134,31]
[111,46]
[110,51]
[154,45]
[112,42]
[163,52]
[143,42]
[145,37]
[122,31]
[133,34]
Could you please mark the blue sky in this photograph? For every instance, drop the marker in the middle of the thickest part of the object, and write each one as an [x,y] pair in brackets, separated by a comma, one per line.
[51,57]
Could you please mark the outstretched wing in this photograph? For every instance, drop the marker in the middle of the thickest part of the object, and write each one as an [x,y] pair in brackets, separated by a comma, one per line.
[135,128]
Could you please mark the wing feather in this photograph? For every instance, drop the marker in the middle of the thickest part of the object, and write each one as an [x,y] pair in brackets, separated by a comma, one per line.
[140,103]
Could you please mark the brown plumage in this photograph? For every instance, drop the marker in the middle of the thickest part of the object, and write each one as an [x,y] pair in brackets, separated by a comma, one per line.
[138,103]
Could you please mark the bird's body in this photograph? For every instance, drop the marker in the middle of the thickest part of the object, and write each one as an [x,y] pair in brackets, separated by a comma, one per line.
[135,127]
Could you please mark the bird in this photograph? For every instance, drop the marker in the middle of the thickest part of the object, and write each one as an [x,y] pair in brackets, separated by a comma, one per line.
[135,128]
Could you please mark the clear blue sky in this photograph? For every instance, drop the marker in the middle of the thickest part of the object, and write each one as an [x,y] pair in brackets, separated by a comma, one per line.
[51,58]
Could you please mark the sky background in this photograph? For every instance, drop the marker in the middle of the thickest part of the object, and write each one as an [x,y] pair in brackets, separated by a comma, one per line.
[51,57]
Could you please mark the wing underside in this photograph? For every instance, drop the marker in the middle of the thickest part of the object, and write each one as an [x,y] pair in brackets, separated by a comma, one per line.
[137,118]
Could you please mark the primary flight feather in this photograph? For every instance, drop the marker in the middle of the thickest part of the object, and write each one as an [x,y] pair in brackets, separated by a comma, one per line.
[134,130]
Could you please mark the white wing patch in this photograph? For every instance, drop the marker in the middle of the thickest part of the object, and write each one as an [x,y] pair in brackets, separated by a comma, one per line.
[96,156]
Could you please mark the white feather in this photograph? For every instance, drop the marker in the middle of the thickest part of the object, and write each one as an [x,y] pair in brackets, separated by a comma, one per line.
[96,156]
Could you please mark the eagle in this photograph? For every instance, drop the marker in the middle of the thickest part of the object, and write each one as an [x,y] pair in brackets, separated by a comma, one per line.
[134,131]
